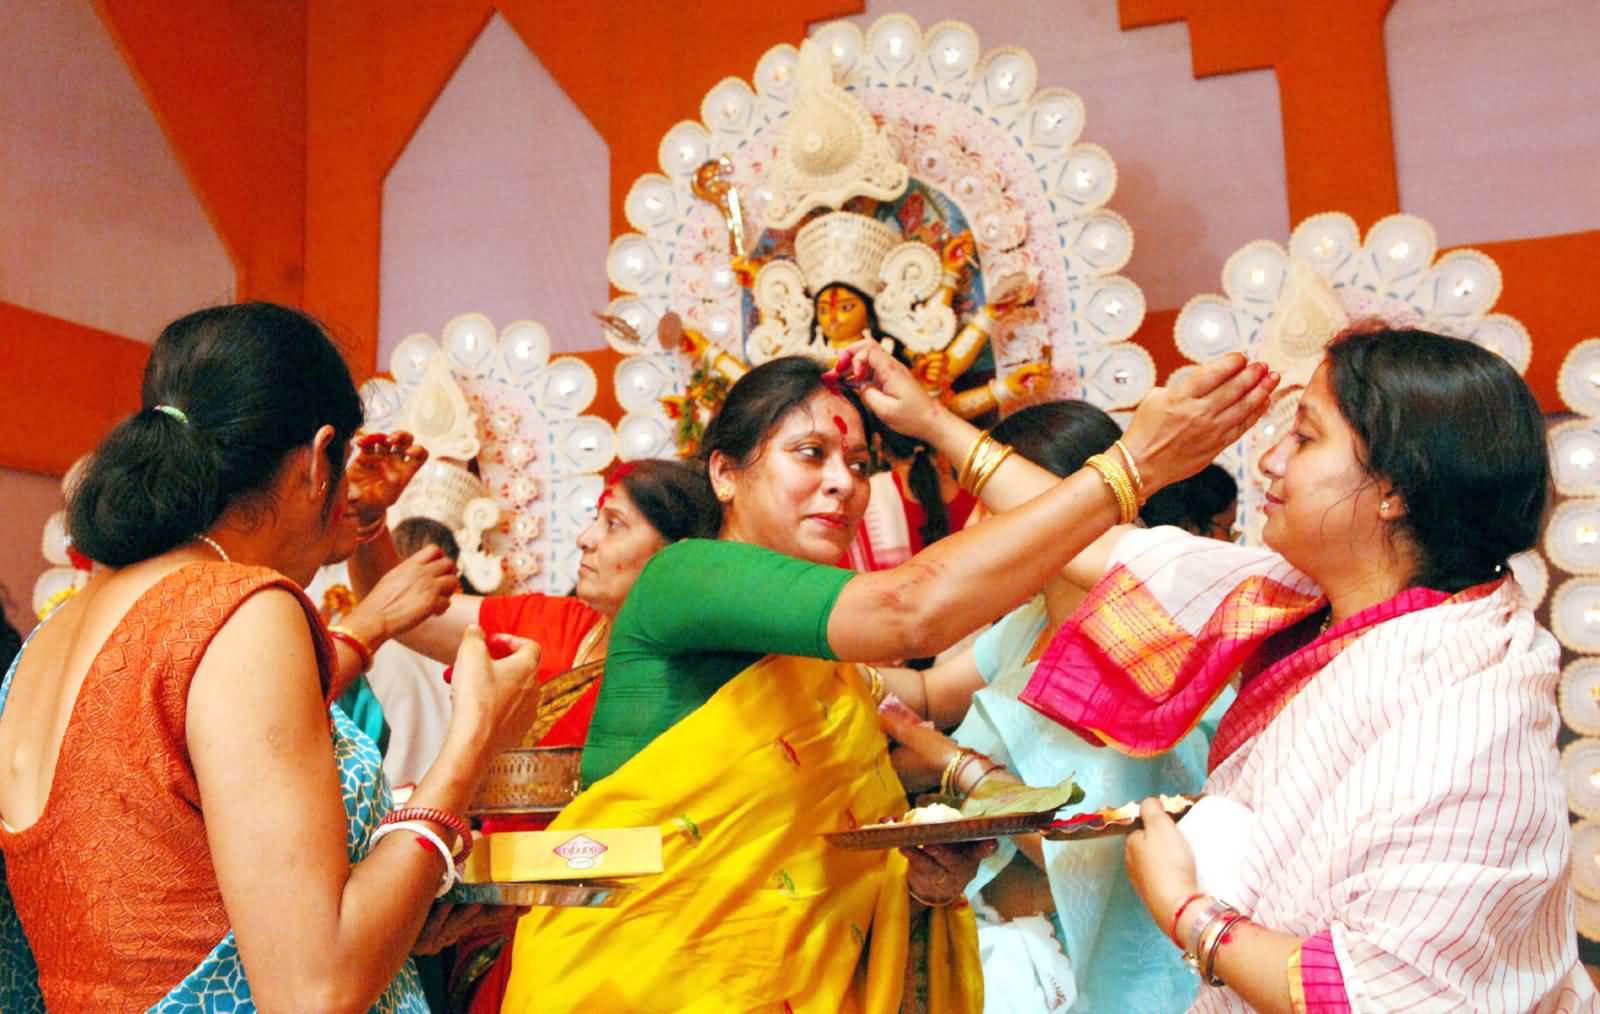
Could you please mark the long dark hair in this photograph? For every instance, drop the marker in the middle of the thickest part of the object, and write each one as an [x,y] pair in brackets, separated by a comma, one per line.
[254,381]
[760,400]
[1458,435]
[1058,436]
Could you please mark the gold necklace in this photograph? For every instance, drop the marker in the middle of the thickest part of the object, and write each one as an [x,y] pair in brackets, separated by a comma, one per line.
[592,641]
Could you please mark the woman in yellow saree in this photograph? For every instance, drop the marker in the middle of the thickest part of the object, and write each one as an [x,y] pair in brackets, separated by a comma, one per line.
[727,720]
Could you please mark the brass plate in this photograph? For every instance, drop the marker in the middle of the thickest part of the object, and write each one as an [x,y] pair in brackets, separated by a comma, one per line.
[893,836]
[544,894]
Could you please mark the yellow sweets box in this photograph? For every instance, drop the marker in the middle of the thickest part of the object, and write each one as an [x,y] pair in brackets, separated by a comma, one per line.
[509,856]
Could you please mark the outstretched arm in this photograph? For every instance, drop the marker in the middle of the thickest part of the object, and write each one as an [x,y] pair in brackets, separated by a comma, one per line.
[315,933]
[973,576]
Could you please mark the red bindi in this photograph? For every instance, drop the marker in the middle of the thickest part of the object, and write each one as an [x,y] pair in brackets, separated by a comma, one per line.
[842,428]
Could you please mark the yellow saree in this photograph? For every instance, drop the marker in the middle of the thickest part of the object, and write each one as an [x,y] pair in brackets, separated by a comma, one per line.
[755,911]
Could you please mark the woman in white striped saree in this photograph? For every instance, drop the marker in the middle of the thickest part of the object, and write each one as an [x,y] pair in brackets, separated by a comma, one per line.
[1406,844]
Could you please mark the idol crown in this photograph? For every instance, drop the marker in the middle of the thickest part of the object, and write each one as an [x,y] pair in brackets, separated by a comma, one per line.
[843,246]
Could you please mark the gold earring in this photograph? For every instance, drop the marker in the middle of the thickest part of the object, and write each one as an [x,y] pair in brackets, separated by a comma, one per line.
[724,495]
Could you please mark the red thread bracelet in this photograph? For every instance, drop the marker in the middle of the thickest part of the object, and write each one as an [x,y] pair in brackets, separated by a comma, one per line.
[1177,916]
[433,815]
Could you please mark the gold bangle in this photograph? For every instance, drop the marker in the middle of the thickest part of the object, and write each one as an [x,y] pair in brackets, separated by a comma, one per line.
[991,466]
[955,778]
[1121,487]
[875,683]
[1133,469]
[964,477]
[945,788]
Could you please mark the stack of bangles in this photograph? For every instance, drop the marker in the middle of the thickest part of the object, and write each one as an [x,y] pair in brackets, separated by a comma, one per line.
[416,820]
[1123,479]
[983,460]
[1211,930]
[875,683]
[950,779]
[349,637]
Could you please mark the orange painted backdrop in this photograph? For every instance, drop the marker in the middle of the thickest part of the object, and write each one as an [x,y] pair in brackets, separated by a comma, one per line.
[288,115]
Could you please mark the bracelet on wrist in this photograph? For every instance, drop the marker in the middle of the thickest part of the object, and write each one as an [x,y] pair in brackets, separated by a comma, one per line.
[931,904]
[1121,486]
[363,651]
[432,814]
[1177,916]
[425,835]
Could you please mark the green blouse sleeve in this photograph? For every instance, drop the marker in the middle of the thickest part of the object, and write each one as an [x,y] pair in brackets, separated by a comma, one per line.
[700,595]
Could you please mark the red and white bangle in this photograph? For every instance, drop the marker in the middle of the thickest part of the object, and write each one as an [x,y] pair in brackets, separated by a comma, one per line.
[425,837]
[357,645]
[434,815]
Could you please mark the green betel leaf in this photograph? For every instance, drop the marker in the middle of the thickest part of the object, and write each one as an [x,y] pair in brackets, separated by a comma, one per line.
[1001,799]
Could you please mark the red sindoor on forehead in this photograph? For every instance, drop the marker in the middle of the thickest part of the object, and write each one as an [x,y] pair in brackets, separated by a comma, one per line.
[838,422]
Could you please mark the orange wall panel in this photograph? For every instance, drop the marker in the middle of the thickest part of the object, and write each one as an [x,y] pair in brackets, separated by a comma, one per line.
[67,386]
[227,82]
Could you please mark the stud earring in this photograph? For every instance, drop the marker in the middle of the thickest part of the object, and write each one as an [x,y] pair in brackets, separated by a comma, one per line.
[1383,508]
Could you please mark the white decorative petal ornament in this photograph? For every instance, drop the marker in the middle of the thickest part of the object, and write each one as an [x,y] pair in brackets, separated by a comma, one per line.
[1575,614]
[1206,328]
[1580,762]
[633,262]
[569,386]
[525,344]
[652,203]
[1121,376]
[1463,284]
[893,45]
[1054,121]
[1579,379]
[1575,457]
[409,360]
[775,73]
[585,444]
[470,340]
[1572,536]
[1255,274]
[644,435]
[1008,78]
[1586,859]
[641,382]
[684,149]
[1579,696]
[1587,915]
[1504,336]
[54,544]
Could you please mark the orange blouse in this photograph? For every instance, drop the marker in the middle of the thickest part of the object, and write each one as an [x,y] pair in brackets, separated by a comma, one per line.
[113,883]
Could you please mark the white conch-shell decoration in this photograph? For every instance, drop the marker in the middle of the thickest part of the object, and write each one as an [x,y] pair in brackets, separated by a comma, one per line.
[1571,544]
[437,417]
[538,455]
[1282,305]
[975,136]
[832,150]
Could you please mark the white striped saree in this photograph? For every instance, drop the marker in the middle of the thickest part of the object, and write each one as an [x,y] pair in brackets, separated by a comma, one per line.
[1411,822]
